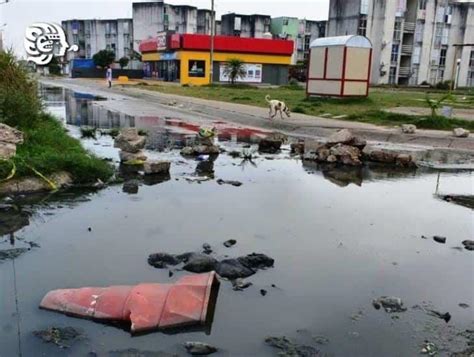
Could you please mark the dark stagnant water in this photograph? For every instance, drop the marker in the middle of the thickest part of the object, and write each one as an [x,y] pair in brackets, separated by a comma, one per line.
[339,239]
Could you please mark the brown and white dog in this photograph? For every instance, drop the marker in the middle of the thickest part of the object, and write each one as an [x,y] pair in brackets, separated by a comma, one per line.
[277,106]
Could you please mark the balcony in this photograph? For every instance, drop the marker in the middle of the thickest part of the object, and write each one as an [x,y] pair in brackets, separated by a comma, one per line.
[407,50]
[404,72]
[409,27]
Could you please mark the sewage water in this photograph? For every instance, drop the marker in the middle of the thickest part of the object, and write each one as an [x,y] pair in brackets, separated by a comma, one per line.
[340,238]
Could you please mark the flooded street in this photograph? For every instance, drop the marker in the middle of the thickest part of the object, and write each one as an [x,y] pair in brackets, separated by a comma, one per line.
[340,239]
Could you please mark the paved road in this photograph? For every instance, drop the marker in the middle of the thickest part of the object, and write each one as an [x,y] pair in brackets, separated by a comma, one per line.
[141,102]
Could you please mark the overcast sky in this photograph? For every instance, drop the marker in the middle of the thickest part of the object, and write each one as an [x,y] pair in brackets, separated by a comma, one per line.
[18,14]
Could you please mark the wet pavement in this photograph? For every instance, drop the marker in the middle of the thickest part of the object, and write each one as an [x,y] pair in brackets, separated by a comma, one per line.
[341,238]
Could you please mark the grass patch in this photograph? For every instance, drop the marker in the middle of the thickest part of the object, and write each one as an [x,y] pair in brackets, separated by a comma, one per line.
[49,149]
[358,109]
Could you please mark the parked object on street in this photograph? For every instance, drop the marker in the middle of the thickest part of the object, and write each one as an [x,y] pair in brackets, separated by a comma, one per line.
[147,306]
[340,66]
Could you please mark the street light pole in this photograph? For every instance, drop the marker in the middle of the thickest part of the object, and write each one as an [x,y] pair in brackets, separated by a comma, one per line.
[213,30]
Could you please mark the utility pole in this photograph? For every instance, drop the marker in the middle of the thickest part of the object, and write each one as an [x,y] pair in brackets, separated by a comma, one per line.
[213,30]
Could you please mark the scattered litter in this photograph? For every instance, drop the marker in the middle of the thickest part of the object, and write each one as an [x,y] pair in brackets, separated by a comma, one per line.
[185,302]
[263,292]
[239,284]
[446,316]
[229,182]
[429,348]
[463,305]
[198,179]
[439,239]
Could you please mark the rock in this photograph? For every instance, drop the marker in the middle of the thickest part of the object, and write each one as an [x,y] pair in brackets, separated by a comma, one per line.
[323,154]
[12,253]
[408,128]
[468,244]
[62,337]
[263,292]
[200,150]
[239,284]
[207,248]
[129,141]
[7,150]
[128,156]
[358,143]
[199,348]
[257,261]
[34,184]
[429,348]
[390,304]
[131,187]
[10,135]
[187,151]
[152,167]
[291,349]
[347,155]
[404,160]
[297,148]
[229,243]
[331,158]
[269,146]
[233,269]
[163,260]
[461,133]
[343,136]
[229,182]
[383,156]
[463,305]
[439,239]
[200,263]
[132,352]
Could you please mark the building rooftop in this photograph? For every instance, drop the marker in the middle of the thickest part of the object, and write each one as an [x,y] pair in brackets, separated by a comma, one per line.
[348,41]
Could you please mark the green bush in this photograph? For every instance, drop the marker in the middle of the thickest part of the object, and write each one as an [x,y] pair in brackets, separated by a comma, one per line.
[19,102]
[444,85]
[299,110]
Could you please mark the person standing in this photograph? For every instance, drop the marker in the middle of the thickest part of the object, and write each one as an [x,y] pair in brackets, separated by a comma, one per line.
[108,75]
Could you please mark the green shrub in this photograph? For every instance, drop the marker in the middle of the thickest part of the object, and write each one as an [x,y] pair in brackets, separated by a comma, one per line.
[19,102]
[444,85]
[299,110]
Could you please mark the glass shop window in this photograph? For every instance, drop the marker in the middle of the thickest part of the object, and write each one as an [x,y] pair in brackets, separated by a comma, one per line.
[197,68]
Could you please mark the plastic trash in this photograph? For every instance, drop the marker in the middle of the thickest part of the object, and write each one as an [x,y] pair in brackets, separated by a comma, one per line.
[147,306]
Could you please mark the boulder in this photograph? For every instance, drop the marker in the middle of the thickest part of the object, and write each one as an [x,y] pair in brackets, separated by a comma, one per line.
[343,136]
[129,141]
[233,269]
[200,263]
[10,135]
[468,244]
[156,167]
[162,260]
[128,156]
[383,156]
[199,348]
[390,304]
[331,158]
[408,128]
[461,133]
[200,150]
[404,160]
[269,145]
[257,261]
[7,150]
[358,143]
[297,148]
[323,153]
[347,155]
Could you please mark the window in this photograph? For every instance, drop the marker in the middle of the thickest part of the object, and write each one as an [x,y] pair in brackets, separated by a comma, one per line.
[422,4]
[107,28]
[126,28]
[397,30]
[414,76]
[442,57]
[395,51]
[75,39]
[362,26]
[197,68]
[238,24]
[307,42]
[416,55]
[285,22]
[438,35]
[440,75]
[364,7]
[392,77]
[433,74]
[471,60]
[470,78]
[419,29]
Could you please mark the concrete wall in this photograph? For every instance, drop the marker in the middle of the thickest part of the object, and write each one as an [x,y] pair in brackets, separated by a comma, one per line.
[250,25]
[148,20]
[100,73]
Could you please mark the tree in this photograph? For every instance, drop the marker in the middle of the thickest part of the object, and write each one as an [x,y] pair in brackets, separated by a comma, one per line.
[123,62]
[104,58]
[234,69]
[54,67]
[436,104]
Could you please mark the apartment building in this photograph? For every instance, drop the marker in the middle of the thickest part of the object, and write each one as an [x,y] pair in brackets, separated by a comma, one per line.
[254,26]
[152,18]
[94,35]
[414,41]
[302,32]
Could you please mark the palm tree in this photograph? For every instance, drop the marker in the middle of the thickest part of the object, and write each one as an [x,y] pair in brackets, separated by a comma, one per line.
[234,69]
